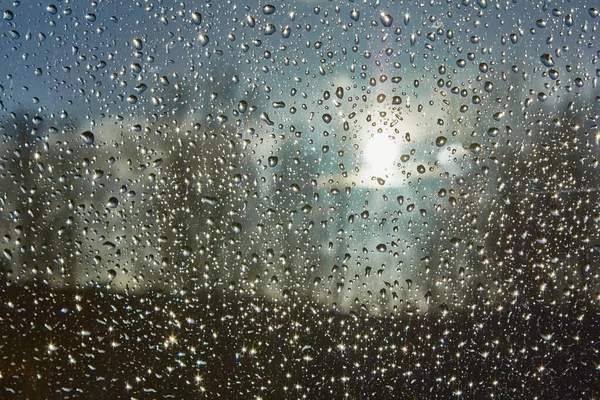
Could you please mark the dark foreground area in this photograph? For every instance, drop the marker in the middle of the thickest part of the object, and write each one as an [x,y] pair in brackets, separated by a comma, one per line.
[94,345]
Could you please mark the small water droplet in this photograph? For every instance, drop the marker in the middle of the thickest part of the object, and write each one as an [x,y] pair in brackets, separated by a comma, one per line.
[355,15]
[273,160]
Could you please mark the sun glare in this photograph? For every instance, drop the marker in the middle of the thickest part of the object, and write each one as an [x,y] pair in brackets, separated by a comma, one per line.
[380,154]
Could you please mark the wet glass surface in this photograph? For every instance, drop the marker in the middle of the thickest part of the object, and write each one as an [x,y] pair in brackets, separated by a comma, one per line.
[308,199]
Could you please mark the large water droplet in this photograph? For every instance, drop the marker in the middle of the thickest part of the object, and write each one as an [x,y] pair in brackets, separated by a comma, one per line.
[197,18]
[440,141]
[203,39]
[87,137]
[386,19]
[547,60]
[113,202]
[268,9]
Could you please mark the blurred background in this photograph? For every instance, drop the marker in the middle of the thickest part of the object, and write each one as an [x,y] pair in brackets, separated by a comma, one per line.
[308,199]
[383,157]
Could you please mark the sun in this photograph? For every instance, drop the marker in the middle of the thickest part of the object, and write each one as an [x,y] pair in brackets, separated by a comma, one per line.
[380,155]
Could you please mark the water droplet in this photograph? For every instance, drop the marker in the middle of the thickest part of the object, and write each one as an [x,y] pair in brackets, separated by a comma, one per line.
[265,117]
[270,29]
[380,98]
[137,44]
[203,39]
[569,20]
[440,141]
[268,9]
[326,118]
[8,15]
[132,99]
[278,104]
[386,19]
[594,12]
[91,17]
[306,209]
[493,132]
[196,18]
[111,274]
[428,296]
[113,202]
[273,160]
[455,242]
[339,92]
[52,9]
[87,137]
[547,60]
[355,15]
[381,248]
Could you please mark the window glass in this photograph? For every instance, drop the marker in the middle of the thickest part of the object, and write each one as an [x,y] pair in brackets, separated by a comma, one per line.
[299,199]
